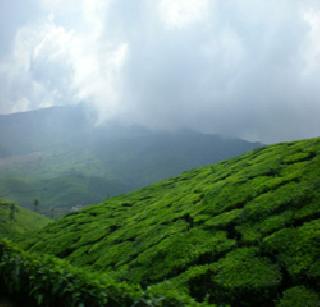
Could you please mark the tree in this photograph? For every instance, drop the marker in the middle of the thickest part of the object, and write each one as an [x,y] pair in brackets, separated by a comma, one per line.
[12,212]
[52,213]
[36,205]
[188,219]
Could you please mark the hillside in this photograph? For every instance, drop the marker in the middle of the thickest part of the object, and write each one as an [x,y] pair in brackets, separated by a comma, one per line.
[16,221]
[59,156]
[243,232]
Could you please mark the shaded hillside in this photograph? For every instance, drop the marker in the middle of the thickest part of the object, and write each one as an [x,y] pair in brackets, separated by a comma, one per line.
[42,130]
[243,232]
[16,221]
[60,157]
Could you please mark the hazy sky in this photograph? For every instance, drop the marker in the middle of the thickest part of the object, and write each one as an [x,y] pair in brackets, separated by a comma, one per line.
[247,68]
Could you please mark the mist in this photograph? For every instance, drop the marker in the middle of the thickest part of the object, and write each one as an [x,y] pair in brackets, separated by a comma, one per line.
[247,69]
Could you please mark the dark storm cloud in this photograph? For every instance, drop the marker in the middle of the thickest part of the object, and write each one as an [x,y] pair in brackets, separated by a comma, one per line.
[244,68]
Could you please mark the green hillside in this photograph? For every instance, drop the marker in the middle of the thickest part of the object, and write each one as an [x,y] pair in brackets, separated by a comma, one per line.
[16,221]
[90,173]
[243,232]
[59,156]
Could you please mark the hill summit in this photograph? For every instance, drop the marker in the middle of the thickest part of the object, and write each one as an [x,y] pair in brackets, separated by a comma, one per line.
[243,232]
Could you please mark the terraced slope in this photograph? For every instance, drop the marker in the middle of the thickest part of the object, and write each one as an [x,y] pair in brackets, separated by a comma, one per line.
[243,232]
[16,221]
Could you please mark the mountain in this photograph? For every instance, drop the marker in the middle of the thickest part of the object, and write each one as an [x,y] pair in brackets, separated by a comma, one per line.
[16,221]
[243,232]
[60,157]
[42,130]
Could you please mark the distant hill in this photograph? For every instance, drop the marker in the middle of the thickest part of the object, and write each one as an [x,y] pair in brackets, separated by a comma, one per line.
[16,221]
[243,232]
[58,155]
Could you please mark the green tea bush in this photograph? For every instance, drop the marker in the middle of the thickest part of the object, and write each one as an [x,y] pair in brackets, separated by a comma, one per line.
[297,250]
[299,296]
[47,281]
[242,278]
[51,282]
[239,232]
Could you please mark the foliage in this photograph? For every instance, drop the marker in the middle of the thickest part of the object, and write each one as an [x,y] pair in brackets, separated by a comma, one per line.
[52,282]
[244,278]
[299,296]
[49,281]
[239,232]
[297,250]
[16,221]
[64,160]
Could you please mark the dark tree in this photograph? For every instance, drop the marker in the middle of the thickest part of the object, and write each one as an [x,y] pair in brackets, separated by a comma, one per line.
[188,219]
[13,210]
[52,213]
[36,205]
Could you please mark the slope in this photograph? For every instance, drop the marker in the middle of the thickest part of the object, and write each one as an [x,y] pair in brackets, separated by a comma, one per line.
[16,221]
[42,150]
[243,232]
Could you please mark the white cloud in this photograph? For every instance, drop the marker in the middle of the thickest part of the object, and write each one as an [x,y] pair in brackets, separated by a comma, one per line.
[94,13]
[312,48]
[37,49]
[240,67]
[21,105]
[56,64]
[177,14]
[59,6]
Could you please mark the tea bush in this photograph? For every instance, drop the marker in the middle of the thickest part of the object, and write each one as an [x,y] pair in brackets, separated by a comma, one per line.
[47,281]
[240,232]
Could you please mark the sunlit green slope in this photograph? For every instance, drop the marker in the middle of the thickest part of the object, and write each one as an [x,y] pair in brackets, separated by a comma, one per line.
[15,220]
[243,232]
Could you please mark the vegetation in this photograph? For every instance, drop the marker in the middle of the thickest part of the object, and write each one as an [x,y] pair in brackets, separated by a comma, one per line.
[243,232]
[16,221]
[48,281]
[59,157]
[299,296]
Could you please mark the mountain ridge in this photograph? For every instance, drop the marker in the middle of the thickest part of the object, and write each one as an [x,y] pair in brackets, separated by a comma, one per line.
[42,148]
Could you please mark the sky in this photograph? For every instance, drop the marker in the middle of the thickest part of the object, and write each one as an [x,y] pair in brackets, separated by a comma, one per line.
[242,68]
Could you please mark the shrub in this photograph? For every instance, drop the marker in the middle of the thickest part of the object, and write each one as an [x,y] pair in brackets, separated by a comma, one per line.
[299,296]
[242,278]
[47,281]
[297,250]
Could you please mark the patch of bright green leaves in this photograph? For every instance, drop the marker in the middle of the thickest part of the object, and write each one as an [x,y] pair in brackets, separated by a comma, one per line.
[240,232]
[16,221]
[48,281]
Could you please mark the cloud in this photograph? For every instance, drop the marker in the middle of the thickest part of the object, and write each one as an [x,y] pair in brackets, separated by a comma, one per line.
[54,64]
[312,51]
[29,73]
[181,13]
[241,68]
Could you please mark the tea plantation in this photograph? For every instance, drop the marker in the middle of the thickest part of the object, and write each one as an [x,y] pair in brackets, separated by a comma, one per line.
[243,232]
[16,221]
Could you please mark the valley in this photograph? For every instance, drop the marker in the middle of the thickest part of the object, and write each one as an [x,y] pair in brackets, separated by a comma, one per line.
[67,162]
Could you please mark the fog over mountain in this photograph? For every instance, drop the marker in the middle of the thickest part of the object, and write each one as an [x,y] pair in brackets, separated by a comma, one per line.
[245,68]
[60,157]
